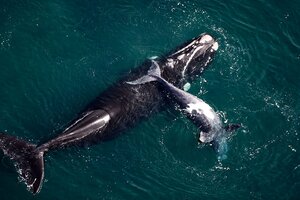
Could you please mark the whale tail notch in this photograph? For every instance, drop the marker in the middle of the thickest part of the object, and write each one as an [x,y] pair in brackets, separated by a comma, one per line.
[28,162]
[154,74]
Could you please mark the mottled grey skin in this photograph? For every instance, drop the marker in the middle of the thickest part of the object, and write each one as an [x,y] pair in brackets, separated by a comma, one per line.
[116,109]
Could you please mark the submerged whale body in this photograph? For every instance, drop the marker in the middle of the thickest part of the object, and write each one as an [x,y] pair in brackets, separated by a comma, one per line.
[117,108]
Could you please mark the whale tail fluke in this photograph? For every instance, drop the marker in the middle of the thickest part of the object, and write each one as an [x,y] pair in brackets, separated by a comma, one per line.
[154,74]
[28,161]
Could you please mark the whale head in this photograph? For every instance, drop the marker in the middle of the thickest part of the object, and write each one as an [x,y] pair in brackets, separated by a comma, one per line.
[193,57]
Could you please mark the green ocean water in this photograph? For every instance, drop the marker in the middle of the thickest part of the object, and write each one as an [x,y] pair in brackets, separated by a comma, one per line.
[56,56]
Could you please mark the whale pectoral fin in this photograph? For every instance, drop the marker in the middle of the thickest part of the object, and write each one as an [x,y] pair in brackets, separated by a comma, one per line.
[204,137]
[232,127]
[153,74]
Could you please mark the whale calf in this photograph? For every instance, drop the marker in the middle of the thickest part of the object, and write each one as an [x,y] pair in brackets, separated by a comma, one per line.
[199,112]
[116,109]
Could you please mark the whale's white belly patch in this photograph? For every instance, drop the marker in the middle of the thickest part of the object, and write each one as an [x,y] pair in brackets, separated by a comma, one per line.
[203,108]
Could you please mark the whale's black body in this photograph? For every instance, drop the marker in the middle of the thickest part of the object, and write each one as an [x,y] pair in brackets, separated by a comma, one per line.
[118,107]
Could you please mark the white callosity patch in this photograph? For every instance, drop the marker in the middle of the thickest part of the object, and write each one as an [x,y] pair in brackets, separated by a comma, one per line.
[215,46]
[190,59]
[202,108]
[180,50]
[205,39]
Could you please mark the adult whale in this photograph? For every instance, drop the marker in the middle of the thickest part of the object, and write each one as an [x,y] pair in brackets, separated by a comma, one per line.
[114,110]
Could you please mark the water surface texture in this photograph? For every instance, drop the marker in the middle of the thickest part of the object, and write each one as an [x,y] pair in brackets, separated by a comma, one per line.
[56,56]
